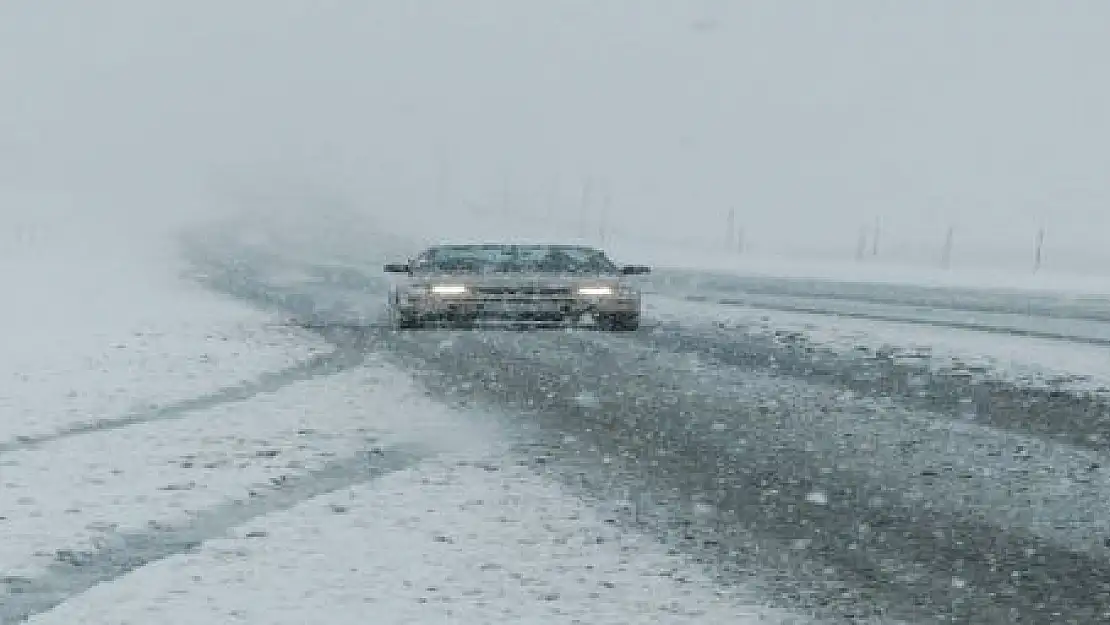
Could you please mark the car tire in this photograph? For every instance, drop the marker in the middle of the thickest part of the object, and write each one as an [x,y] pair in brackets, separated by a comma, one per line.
[619,322]
[403,321]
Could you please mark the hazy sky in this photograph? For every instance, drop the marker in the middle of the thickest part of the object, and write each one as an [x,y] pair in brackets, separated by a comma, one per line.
[811,118]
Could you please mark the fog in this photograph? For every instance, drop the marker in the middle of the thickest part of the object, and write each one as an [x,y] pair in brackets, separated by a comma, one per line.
[810,119]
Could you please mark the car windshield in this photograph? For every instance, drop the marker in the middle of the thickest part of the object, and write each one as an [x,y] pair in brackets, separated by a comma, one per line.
[514,259]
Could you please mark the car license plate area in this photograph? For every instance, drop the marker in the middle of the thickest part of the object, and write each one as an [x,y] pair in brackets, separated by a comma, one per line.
[519,306]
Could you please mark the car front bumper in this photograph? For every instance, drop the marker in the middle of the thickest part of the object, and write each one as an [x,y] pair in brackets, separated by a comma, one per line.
[538,309]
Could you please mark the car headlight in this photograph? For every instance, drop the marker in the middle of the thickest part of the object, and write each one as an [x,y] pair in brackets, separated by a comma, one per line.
[449,289]
[595,290]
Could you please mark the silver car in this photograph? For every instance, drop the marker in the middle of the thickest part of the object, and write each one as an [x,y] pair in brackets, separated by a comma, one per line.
[536,285]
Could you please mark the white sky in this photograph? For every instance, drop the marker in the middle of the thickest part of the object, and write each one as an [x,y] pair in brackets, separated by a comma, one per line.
[810,117]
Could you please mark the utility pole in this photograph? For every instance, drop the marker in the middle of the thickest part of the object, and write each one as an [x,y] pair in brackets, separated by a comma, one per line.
[946,252]
[875,239]
[861,244]
[1038,253]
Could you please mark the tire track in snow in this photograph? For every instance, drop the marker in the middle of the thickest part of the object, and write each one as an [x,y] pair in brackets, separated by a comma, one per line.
[886,547]
[866,540]
[77,572]
[1076,418]
[338,360]
[781,485]
[1073,417]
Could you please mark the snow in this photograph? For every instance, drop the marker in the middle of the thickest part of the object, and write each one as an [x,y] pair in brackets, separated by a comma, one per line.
[1024,360]
[171,455]
[454,540]
[96,329]
[627,245]
[868,271]
[1064,489]
[174,468]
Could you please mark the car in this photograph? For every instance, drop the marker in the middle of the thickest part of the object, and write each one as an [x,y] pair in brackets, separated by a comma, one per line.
[467,285]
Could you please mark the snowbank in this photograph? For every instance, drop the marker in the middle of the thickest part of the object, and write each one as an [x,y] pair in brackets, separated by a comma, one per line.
[97,325]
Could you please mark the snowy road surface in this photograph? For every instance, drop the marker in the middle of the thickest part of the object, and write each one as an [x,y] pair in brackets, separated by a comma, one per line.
[692,472]
[171,454]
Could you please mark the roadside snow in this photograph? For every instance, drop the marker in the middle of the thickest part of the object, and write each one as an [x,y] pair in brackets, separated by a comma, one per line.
[877,272]
[97,325]
[1023,360]
[69,495]
[460,539]
[83,354]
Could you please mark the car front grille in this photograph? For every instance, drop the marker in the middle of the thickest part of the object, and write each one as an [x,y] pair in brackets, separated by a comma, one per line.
[523,290]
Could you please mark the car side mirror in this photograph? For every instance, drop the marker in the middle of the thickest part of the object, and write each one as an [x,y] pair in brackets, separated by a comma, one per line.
[635,270]
[398,268]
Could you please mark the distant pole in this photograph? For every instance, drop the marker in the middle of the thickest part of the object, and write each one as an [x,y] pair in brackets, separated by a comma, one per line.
[946,252]
[875,239]
[1038,253]
[730,229]
[861,244]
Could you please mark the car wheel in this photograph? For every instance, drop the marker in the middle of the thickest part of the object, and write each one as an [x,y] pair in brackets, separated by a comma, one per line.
[404,321]
[619,322]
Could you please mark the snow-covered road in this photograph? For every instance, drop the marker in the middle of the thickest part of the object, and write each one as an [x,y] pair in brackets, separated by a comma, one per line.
[171,454]
[876,494]
[702,470]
